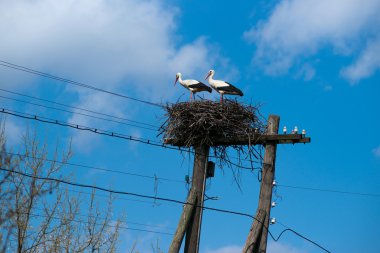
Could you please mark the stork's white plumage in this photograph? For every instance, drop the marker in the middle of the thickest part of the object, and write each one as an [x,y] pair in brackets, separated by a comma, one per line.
[222,87]
[193,86]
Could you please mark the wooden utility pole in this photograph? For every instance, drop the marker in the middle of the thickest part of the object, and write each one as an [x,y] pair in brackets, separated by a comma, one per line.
[257,237]
[198,185]
[252,244]
[191,217]
[184,221]
[255,232]
[266,187]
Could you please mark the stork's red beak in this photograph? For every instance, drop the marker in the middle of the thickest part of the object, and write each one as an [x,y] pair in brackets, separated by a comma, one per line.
[176,79]
[209,73]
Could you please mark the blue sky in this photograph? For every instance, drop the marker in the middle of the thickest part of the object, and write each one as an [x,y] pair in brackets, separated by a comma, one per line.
[314,63]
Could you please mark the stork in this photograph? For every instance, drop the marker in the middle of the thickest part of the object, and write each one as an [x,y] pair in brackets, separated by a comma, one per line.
[222,87]
[193,86]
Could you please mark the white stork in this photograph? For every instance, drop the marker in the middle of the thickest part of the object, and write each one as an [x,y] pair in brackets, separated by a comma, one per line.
[222,87]
[193,86]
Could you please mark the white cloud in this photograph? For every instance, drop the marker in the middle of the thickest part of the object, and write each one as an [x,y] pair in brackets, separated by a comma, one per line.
[226,249]
[299,28]
[367,63]
[128,46]
[277,247]
[376,152]
[118,45]
[273,247]
[306,72]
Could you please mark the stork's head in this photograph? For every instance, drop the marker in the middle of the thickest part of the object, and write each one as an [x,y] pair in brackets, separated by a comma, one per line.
[210,73]
[177,76]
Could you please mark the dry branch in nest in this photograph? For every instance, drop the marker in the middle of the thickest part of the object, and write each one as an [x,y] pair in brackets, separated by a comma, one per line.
[204,122]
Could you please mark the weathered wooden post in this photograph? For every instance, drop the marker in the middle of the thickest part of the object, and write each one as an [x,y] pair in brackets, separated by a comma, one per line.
[257,237]
[191,217]
[183,223]
[214,124]
[198,185]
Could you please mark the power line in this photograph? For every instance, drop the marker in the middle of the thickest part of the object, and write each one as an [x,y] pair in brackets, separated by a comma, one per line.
[78,113]
[68,81]
[110,220]
[97,168]
[78,108]
[329,190]
[108,133]
[81,127]
[303,237]
[121,192]
[107,225]
[298,234]
[162,199]
[105,196]
[28,70]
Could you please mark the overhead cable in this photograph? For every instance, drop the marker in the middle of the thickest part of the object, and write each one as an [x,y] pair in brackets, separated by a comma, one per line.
[109,133]
[107,225]
[96,168]
[68,81]
[77,108]
[159,198]
[79,113]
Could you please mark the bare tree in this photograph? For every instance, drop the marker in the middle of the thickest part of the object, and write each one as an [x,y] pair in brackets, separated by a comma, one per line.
[39,215]
[6,194]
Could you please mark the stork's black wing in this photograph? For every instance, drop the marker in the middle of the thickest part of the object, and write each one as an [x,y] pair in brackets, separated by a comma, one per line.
[200,86]
[231,89]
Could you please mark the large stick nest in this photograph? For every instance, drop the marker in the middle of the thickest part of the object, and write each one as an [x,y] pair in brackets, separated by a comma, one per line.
[204,122]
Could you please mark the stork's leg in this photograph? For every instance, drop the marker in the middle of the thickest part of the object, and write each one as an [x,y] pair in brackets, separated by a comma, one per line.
[191,95]
[221,98]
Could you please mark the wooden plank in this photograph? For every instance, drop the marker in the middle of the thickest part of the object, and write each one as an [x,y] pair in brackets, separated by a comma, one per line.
[253,241]
[183,222]
[255,139]
[198,185]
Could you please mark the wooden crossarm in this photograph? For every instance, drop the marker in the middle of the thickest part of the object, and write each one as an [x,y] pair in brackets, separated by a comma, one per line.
[254,139]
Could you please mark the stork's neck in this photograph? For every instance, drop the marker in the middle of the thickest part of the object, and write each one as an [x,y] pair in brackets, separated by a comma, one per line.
[210,78]
[180,79]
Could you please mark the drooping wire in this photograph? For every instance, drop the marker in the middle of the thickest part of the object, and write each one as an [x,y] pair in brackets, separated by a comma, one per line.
[79,113]
[107,133]
[105,219]
[94,187]
[80,127]
[159,198]
[107,225]
[79,108]
[68,81]
[288,229]
[303,237]
[96,168]
[106,196]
